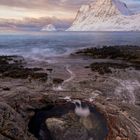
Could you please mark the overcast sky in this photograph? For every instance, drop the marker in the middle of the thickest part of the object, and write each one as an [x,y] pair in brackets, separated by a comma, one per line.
[19,9]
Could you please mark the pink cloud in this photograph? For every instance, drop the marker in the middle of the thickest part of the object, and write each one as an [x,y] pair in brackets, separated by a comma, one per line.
[34,23]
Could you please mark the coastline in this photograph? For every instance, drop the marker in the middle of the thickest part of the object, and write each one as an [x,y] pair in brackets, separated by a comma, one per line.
[115,94]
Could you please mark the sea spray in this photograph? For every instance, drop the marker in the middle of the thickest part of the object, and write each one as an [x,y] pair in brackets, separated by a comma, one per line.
[126,89]
[59,88]
[81,111]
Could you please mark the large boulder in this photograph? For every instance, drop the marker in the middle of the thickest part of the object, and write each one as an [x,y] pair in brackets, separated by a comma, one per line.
[67,128]
[12,125]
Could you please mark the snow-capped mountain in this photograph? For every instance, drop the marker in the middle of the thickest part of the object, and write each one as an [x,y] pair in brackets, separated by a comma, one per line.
[49,28]
[105,15]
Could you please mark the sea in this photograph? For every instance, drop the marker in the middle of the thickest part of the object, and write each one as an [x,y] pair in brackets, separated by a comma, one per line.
[40,45]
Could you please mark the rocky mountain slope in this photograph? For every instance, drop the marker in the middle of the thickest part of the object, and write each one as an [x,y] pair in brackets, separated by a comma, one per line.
[105,15]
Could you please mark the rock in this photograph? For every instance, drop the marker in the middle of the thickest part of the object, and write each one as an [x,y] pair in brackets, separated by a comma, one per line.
[118,138]
[67,128]
[12,124]
[87,122]
[55,124]
[6,88]
[17,70]
[4,138]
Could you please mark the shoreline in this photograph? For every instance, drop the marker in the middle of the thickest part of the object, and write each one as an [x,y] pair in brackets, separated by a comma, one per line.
[114,92]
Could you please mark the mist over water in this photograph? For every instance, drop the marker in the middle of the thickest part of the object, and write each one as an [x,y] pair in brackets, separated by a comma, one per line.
[42,45]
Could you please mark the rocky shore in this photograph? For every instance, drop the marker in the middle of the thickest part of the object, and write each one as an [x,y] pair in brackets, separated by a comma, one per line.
[92,94]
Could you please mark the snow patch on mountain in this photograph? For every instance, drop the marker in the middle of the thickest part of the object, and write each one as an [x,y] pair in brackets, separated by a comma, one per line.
[84,8]
[50,28]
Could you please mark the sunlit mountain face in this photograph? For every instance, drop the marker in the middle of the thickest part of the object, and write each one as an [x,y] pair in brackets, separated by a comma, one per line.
[33,15]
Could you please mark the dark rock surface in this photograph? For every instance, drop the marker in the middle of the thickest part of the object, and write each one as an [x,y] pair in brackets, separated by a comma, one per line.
[128,53]
[13,66]
[12,125]
[128,56]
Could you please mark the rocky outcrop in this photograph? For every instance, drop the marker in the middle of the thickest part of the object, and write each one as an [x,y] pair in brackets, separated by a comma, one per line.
[28,111]
[69,128]
[121,126]
[12,125]
[15,119]
[13,67]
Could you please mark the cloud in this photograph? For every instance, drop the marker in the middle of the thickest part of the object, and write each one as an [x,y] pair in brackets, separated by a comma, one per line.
[38,8]
[63,5]
[45,4]
[22,3]
[34,23]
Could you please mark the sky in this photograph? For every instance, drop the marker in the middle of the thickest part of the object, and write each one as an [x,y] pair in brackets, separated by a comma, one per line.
[19,9]
[35,11]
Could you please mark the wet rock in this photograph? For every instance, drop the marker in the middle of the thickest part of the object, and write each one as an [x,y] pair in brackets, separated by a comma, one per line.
[67,128]
[4,137]
[60,119]
[13,67]
[53,123]
[19,108]
[57,81]
[120,125]
[6,88]
[124,53]
[12,125]
[103,68]
[87,122]
[118,138]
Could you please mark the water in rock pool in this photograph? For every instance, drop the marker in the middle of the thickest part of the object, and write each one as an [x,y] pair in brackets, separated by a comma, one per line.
[64,119]
[42,45]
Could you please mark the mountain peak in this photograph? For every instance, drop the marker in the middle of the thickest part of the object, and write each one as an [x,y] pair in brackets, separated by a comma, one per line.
[109,8]
[105,15]
[49,27]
